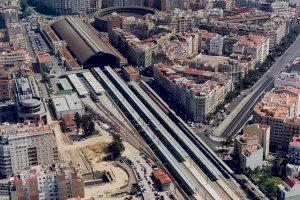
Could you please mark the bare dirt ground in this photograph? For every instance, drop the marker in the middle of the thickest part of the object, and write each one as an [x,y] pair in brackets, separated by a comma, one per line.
[90,152]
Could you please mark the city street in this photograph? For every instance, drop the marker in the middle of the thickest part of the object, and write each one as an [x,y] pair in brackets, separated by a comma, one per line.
[234,122]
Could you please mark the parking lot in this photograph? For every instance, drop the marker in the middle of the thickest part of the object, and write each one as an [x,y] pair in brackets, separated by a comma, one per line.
[147,187]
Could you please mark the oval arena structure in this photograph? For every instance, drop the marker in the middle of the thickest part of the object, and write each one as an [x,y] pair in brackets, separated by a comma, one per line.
[89,50]
[101,16]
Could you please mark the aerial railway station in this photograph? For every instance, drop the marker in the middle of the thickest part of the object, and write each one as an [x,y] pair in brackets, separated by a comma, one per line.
[77,84]
[175,119]
[85,45]
[160,133]
[178,170]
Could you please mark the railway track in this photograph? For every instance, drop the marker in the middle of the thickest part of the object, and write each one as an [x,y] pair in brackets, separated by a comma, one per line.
[136,140]
[221,185]
[130,136]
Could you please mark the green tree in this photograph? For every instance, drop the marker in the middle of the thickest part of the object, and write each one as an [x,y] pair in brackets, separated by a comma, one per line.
[88,125]
[77,119]
[279,166]
[45,78]
[116,146]
[23,5]
[63,126]
[270,187]
[24,9]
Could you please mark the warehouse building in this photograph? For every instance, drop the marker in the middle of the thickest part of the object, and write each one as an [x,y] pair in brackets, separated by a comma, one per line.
[67,104]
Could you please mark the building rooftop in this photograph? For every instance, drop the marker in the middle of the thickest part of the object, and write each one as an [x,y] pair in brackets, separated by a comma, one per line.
[251,150]
[161,176]
[240,19]
[76,82]
[31,174]
[296,60]
[130,70]
[51,34]
[278,104]
[67,102]
[97,87]
[291,181]
[69,59]
[65,84]
[259,126]
[27,128]
[27,91]
[43,58]
[288,79]
[295,142]
[251,41]
[69,120]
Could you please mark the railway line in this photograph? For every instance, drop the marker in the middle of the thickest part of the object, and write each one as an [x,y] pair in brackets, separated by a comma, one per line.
[226,181]
[191,168]
[186,179]
[132,137]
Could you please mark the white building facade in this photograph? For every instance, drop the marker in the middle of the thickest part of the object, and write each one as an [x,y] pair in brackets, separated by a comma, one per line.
[23,146]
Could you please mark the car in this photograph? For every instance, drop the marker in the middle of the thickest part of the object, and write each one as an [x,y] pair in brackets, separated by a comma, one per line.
[139,194]
[154,167]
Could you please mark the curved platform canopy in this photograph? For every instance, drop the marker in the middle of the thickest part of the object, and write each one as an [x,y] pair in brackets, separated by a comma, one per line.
[84,44]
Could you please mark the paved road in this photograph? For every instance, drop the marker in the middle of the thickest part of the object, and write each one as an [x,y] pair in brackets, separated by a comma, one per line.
[238,120]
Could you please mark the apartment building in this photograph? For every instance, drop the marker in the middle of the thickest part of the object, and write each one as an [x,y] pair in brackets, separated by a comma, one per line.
[294,151]
[15,57]
[118,3]
[256,46]
[26,144]
[275,31]
[216,46]
[6,83]
[177,49]
[229,41]
[67,7]
[55,181]
[210,43]
[224,4]
[169,5]
[194,93]
[248,3]
[177,19]
[18,41]
[295,66]
[14,28]
[280,6]
[275,27]
[288,79]
[51,37]
[263,133]
[248,151]
[235,68]
[279,109]
[28,100]
[138,52]
[289,189]
[137,26]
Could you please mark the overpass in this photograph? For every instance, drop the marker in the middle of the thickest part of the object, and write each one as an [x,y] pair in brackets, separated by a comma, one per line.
[240,115]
